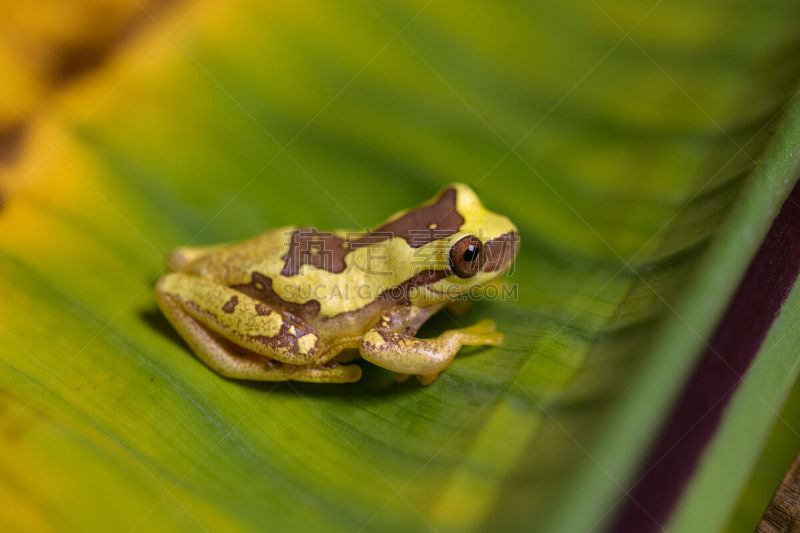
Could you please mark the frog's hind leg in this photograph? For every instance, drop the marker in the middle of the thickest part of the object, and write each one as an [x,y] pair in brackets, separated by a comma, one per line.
[220,355]
[243,320]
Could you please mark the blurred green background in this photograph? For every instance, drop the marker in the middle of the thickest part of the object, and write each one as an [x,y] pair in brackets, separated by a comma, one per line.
[642,148]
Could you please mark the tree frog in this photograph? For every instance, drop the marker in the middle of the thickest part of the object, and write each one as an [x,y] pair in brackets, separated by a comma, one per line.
[285,304]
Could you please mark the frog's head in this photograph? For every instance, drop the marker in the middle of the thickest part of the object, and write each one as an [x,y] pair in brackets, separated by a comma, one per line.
[478,245]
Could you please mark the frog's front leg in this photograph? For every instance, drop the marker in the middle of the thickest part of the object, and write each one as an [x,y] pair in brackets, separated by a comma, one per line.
[242,338]
[401,352]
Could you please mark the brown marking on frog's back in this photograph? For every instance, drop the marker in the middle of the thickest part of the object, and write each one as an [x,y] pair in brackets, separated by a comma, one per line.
[417,227]
[499,251]
[307,246]
[425,224]
[260,288]
[231,304]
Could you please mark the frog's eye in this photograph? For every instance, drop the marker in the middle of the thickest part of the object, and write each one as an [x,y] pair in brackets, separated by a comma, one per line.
[466,256]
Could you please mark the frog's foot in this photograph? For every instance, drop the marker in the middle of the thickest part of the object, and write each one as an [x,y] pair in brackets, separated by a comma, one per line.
[231,360]
[424,358]
[479,334]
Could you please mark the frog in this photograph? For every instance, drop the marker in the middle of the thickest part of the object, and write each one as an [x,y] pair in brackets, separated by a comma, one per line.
[298,304]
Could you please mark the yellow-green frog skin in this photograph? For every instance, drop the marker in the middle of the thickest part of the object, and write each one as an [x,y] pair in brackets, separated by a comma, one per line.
[283,305]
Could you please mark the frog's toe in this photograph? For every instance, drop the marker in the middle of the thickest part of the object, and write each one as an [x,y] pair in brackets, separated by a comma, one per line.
[484,326]
[427,379]
[488,339]
[480,334]
[349,373]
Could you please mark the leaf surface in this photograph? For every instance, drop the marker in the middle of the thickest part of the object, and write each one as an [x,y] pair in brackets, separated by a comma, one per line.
[642,149]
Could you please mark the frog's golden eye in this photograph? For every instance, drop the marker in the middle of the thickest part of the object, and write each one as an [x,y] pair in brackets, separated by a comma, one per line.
[466,256]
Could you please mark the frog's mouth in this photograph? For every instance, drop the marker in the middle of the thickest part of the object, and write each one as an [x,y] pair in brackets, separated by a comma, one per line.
[440,293]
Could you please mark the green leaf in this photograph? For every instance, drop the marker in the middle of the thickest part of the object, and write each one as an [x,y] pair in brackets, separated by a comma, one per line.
[642,150]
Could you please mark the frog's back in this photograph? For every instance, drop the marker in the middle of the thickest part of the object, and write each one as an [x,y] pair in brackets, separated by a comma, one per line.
[251,266]
[233,264]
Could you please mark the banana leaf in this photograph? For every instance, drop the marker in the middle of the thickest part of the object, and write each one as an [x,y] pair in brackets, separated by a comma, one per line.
[642,149]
